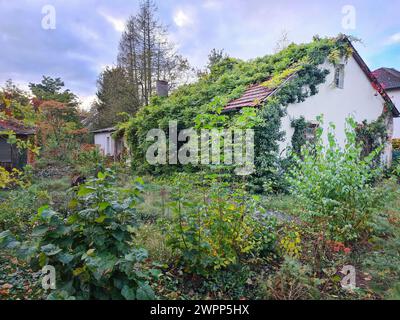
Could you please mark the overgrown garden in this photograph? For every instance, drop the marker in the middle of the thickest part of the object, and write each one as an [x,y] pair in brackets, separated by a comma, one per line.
[130,230]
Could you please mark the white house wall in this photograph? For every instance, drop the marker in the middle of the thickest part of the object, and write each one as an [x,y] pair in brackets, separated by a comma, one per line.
[357,98]
[395,96]
[100,139]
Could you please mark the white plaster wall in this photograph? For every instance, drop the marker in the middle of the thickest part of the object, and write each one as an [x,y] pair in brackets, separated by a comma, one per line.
[357,98]
[100,139]
[395,96]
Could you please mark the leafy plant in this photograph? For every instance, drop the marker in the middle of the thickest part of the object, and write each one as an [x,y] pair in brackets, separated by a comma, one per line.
[336,185]
[290,242]
[19,206]
[92,249]
[215,230]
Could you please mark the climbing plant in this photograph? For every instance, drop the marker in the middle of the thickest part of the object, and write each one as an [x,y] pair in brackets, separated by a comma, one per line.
[201,104]
[371,135]
[299,135]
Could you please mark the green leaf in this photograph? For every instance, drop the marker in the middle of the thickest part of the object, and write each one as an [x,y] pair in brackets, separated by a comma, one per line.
[103,206]
[85,190]
[39,231]
[145,292]
[101,218]
[7,240]
[65,258]
[42,259]
[50,249]
[43,208]
[101,175]
[128,293]
[156,273]
[73,204]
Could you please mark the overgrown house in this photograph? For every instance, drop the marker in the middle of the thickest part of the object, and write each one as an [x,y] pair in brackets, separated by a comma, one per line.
[350,89]
[287,91]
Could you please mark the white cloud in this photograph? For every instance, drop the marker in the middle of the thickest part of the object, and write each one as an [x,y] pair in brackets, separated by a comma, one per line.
[182,18]
[393,39]
[87,101]
[84,32]
[117,23]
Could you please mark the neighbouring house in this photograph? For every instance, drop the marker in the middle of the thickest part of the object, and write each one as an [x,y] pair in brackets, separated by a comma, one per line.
[10,156]
[108,145]
[350,89]
[390,81]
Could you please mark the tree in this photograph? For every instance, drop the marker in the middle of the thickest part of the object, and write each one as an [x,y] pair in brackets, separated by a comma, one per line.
[215,56]
[115,95]
[58,122]
[50,89]
[146,53]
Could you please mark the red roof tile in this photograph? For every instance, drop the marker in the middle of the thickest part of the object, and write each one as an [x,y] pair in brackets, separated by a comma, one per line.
[252,97]
[389,78]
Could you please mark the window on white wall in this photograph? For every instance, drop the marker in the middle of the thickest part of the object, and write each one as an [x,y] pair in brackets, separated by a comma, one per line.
[311,132]
[108,146]
[339,76]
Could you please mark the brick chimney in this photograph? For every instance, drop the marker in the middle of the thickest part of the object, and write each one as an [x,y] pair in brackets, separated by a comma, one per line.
[162,88]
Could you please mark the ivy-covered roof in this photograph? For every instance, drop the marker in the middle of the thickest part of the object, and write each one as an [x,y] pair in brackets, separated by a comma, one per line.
[381,79]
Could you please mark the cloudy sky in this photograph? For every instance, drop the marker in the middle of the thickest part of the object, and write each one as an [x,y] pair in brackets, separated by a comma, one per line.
[87,32]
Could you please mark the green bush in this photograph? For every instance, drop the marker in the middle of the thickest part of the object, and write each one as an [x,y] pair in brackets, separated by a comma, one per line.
[92,250]
[220,226]
[336,185]
[88,162]
[18,207]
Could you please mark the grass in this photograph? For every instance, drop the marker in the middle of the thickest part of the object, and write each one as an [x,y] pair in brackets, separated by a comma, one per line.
[282,203]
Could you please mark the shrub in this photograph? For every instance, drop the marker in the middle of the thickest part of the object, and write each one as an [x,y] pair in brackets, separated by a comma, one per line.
[19,206]
[290,242]
[88,160]
[92,249]
[214,231]
[9,179]
[336,185]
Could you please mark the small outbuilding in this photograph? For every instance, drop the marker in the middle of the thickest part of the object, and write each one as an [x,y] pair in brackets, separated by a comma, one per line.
[10,156]
[108,144]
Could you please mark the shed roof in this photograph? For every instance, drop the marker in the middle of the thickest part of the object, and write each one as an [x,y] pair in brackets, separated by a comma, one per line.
[17,127]
[110,129]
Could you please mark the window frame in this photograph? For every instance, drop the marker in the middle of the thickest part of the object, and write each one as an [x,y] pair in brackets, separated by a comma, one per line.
[339,76]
